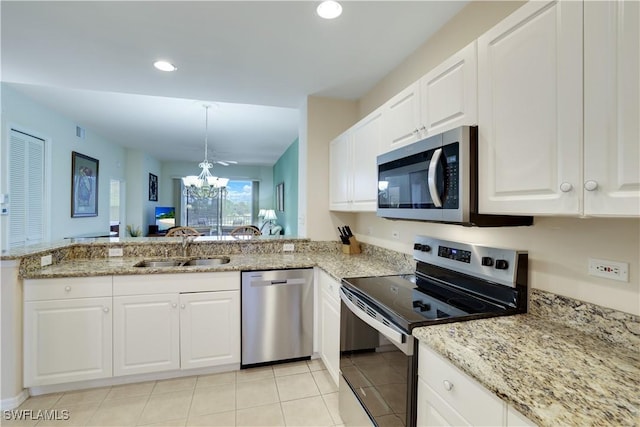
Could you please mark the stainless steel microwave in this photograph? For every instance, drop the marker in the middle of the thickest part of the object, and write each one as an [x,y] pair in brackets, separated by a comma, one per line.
[436,179]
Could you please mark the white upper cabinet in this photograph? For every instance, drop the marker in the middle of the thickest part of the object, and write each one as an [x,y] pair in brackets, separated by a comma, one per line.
[353,171]
[444,98]
[402,118]
[449,94]
[611,108]
[530,111]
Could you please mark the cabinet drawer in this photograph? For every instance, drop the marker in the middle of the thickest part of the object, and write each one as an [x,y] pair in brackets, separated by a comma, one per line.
[470,399]
[67,288]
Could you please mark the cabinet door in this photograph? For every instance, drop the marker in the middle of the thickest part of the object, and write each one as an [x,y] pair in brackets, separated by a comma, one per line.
[67,340]
[402,118]
[209,329]
[434,411]
[340,173]
[367,137]
[330,334]
[530,111]
[612,108]
[146,334]
[449,92]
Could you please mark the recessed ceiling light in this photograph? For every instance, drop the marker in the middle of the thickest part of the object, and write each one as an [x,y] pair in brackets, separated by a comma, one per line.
[329,9]
[164,66]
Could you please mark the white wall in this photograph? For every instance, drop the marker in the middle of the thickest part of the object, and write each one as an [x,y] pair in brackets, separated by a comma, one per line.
[19,110]
[322,120]
[140,210]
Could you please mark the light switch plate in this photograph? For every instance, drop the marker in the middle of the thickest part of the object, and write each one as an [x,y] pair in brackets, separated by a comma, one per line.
[288,247]
[115,252]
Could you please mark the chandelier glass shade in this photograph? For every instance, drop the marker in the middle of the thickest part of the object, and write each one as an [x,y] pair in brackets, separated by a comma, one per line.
[205,185]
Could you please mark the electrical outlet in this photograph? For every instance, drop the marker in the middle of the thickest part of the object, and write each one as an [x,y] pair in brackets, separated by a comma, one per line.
[46,260]
[115,252]
[288,247]
[609,269]
[395,234]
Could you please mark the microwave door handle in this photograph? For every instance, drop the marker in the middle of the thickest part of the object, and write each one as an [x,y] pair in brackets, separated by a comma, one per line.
[431,178]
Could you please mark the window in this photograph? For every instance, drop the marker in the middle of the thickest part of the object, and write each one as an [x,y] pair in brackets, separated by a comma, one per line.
[26,189]
[221,215]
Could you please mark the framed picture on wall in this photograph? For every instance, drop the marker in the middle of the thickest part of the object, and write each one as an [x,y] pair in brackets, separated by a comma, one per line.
[84,185]
[280,197]
[153,187]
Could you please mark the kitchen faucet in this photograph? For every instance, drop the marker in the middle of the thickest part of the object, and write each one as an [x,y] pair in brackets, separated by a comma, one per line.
[186,241]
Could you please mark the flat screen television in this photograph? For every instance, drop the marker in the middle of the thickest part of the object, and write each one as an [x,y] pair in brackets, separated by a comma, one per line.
[165,218]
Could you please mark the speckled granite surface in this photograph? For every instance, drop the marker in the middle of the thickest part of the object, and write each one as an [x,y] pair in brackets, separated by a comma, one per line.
[581,368]
[91,260]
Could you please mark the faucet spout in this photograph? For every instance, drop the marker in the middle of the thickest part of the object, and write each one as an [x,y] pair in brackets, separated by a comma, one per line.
[186,241]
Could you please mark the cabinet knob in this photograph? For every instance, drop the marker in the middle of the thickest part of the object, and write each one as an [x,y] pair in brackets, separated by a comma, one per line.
[67,288]
[182,306]
[105,309]
[447,385]
[565,187]
[590,185]
[415,131]
[174,305]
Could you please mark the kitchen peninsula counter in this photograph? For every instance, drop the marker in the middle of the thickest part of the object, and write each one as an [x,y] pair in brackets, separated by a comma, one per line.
[563,363]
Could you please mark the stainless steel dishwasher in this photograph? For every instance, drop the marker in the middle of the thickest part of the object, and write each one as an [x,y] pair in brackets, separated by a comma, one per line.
[277,315]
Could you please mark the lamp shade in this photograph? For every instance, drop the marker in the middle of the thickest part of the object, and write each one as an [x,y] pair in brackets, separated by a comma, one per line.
[270,215]
[262,213]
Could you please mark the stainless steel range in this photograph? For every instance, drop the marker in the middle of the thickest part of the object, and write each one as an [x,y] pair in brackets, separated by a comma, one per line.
[453,282]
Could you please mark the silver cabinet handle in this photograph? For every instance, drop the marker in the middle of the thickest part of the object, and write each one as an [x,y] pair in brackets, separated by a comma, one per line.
[590,185]
[447,385]
[565,187]
[105,309]
[67,288]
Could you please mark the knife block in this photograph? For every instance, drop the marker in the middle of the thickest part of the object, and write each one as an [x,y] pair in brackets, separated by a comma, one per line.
[353,247]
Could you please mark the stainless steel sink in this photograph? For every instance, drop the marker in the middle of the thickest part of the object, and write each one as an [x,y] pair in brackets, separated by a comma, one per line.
[208,261]
[159,263]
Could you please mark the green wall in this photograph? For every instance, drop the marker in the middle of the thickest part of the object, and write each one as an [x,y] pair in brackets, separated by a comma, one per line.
[286,170]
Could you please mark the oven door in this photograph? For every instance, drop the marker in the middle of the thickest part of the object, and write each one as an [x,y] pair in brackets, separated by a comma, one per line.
[378,368]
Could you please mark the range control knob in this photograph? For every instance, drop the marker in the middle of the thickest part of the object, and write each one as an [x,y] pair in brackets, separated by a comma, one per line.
[426,248]
[502,264]
[487,260]
[417,247]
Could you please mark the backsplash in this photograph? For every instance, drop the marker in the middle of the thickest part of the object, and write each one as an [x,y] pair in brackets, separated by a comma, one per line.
[608,324]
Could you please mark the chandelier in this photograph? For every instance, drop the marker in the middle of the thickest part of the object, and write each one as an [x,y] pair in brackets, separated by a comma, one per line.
[205,185]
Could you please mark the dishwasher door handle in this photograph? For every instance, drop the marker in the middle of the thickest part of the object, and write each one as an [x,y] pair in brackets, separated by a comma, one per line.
[276,282]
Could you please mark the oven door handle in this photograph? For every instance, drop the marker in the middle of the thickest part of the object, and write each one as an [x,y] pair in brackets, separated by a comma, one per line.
[431,178]
[390,333]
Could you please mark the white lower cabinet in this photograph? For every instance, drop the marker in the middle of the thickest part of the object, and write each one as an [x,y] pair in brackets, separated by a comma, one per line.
[449,397]
[67,330]
[330,324]
[146,334]
[195,326]
[209,329]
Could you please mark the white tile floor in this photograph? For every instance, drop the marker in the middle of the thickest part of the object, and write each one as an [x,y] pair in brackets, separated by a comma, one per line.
[293,394]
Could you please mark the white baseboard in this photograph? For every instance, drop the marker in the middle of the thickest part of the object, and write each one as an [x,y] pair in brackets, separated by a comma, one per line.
[14,402]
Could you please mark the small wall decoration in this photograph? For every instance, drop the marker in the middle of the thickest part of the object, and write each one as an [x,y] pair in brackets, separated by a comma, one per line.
[280,197]
[153,187]
[84,185]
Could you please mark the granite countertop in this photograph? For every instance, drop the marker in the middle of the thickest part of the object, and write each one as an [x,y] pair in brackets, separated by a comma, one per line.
[336,264]
[552,373]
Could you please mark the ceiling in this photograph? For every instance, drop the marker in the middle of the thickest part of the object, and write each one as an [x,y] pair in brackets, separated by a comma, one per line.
[255,61]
